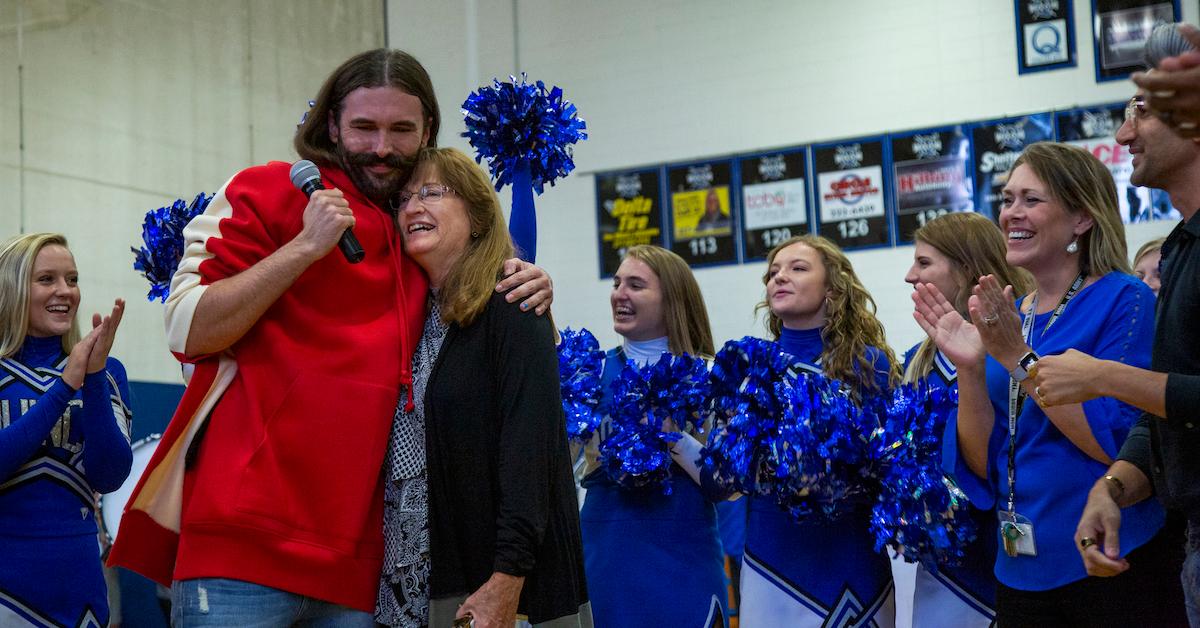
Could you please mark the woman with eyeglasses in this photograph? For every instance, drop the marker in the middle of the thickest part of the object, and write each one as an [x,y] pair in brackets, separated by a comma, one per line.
[64,436]
[480,514]
[1034,465]
[818,572]
[952,252]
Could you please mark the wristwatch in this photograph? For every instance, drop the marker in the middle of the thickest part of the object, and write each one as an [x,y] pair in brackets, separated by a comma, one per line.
[1021,371]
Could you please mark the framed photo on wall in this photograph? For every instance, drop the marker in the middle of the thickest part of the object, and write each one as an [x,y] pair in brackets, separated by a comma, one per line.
[1120,29]
[995,145]
[1045,35]
[931,176]
[628,212]
[851,192]
[701,211]
[774,199]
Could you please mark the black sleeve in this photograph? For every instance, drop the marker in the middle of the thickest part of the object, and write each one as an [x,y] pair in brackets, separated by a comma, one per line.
[1136,448]
[532,432]
[1183,402]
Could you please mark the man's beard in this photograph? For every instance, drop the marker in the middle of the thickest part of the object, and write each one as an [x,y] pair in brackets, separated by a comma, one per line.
[378,190]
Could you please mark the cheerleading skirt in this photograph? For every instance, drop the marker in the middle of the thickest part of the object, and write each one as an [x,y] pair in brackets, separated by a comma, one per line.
[52,581]
[964,594]
[652,559]
[813,573]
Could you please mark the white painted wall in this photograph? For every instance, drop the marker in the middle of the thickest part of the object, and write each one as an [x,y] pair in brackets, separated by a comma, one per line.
[130,104]
[675,80]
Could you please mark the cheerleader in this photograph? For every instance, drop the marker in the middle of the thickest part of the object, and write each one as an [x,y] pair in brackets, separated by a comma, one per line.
[653,559]
[818,572]
[952,252]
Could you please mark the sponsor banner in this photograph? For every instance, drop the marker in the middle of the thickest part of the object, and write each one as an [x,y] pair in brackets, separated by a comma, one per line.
[1094,129]
[851,193]
[996,145]
[702,212]
[774,200]
[1120,29]
[930,177]
[1045,35]
[628,213]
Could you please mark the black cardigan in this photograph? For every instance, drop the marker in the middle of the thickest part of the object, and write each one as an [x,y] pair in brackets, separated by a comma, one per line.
[501,494]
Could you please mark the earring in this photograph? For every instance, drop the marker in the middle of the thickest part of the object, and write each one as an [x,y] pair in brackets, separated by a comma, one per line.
[474,234]
[1073,247]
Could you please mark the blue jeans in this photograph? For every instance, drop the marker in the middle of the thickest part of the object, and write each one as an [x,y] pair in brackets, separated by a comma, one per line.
[1191,575]
[204,602]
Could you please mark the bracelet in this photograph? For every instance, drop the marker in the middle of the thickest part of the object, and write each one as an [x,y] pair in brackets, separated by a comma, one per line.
[1116,481]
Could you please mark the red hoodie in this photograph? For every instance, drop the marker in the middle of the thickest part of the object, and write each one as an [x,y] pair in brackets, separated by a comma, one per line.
[286,489]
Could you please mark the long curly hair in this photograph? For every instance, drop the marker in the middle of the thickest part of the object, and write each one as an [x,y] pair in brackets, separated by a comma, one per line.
[850,322]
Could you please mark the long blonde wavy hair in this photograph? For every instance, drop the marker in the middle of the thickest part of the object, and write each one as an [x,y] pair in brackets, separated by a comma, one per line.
[17,257]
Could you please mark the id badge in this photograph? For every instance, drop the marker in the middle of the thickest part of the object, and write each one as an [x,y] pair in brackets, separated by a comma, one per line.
[1016,535]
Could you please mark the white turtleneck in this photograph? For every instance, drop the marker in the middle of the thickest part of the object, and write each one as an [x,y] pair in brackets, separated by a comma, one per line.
[644,352]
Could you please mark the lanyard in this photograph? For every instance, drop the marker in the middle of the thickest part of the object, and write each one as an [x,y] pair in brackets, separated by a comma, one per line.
[1016,395]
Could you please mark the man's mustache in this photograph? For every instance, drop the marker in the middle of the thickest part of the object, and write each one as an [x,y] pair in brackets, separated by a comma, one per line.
[399,162]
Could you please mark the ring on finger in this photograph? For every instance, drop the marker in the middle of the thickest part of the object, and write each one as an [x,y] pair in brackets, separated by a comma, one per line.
[1086,542]
[991,319]
[1037,390]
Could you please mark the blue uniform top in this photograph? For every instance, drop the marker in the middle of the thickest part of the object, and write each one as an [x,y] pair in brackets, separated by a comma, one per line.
[1111,319]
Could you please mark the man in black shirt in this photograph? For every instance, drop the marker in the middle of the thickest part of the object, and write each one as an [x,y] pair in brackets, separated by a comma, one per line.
[1162,453]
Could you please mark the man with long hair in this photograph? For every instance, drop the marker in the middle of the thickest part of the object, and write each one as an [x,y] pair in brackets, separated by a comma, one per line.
[263,503]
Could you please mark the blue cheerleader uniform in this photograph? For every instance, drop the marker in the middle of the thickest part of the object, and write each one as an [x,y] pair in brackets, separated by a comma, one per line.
[814,573]
[651,559]
[964,594]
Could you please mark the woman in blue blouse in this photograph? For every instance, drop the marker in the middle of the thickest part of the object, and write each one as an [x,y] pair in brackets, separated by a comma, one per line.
[64,435]
[653,559]
[819,573]
[952,252]
[1033,465]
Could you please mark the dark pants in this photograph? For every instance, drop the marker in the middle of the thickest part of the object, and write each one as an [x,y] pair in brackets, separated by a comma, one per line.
[1149,593]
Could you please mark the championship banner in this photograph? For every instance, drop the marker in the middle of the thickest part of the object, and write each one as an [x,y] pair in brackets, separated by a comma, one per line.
[1120,29]
[1094,129]
[774,200]
[851,193]
[997,144]
[701,212]
[931,176]
[628,212]
[1045,35]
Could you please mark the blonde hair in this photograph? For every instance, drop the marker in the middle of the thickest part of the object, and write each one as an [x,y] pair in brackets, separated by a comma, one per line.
[16,274]
[975,247]
[684,312]
[850,323]
[470,282]
[1082,184]
[1148,248]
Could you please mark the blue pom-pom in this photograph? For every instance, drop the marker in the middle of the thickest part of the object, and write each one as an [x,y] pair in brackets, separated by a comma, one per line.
[162,235]
[919,513]
[580,362]
[649,405]
[514,122]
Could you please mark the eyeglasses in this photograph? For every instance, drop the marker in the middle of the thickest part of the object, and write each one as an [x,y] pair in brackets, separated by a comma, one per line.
[429,193]
[1136,110]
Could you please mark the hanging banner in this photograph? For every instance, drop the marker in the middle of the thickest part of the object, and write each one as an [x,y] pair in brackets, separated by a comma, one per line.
[774,200]
[628,212]
[851,193]
[701,212]
[1045,35]
[996,145]
[1120,29]
[931,176]
[1094,129]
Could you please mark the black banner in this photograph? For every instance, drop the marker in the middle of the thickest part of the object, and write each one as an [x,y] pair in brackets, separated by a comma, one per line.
[1120,29]
[628,212]
[774,200]
[1045,35]
[1094,129]
[701,216]
[851,194]
[997,144]
[930,177]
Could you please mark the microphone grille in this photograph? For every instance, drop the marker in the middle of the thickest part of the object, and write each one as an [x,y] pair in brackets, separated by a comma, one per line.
[302,172]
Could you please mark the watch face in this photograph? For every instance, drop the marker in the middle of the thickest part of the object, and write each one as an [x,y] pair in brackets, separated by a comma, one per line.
[1029,360]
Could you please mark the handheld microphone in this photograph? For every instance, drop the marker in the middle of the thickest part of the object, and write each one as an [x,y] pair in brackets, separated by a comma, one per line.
[307,178]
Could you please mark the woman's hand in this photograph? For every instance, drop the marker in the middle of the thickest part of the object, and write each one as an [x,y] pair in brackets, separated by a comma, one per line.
[995,316]
[531,284]
[77,361]
[494,605]
[955,337]
[107,327]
